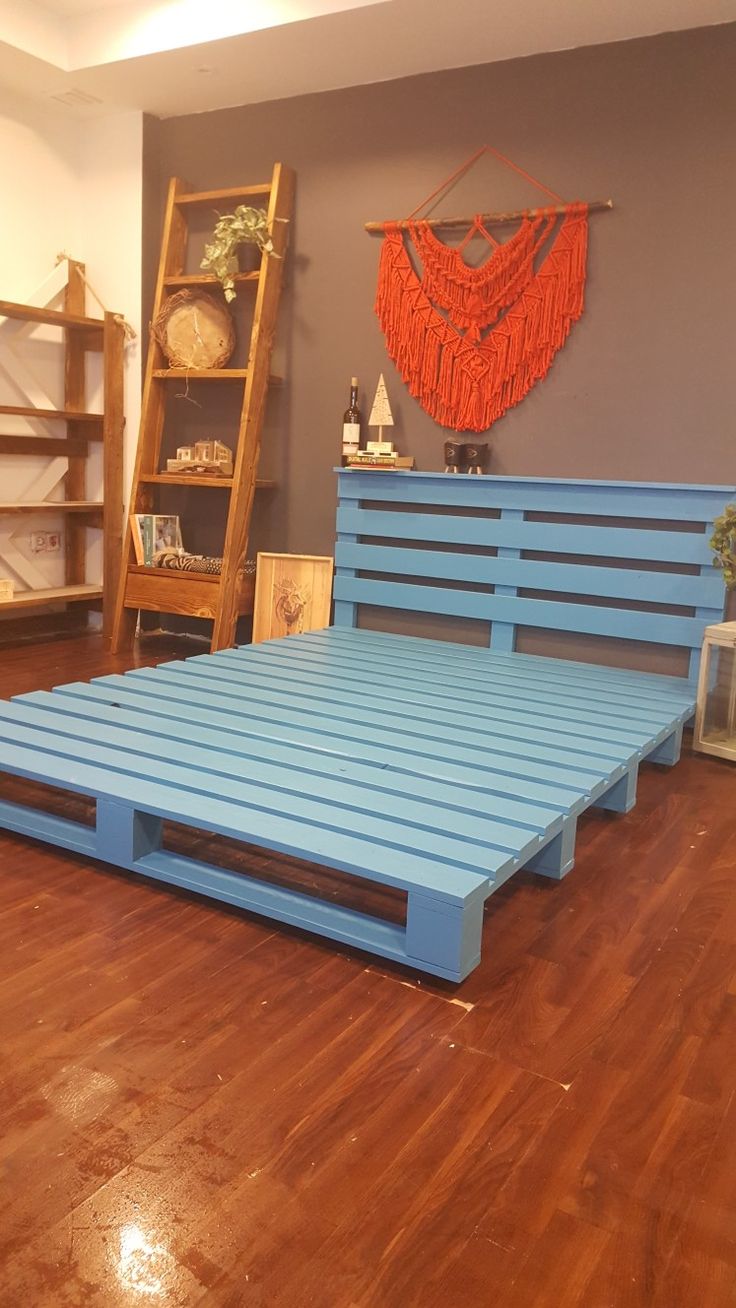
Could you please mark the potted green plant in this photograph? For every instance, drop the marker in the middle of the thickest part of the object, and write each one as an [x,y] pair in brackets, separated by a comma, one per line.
[723,544]
[246,226]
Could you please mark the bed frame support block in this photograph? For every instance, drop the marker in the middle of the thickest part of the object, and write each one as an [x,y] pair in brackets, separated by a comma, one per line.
[621,797]
[125,834]
[668,752]
[558,857]
[444,936]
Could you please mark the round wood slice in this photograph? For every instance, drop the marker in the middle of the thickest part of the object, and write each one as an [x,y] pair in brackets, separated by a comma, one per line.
[195,331]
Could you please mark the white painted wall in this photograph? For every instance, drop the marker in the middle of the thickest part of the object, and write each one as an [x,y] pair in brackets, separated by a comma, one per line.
[109,236]
[73,185]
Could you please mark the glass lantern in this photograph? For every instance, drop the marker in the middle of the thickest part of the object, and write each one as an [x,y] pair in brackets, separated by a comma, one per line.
[715,717]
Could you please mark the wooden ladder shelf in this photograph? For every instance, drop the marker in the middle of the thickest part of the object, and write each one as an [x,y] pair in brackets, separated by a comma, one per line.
[224,598]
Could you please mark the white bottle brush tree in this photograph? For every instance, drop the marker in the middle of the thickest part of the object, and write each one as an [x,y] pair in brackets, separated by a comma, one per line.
[381,415]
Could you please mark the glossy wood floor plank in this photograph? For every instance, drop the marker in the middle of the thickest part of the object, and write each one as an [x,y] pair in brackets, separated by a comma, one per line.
[200,1110]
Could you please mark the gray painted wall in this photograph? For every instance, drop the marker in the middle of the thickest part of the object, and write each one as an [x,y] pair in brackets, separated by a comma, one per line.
[643,390]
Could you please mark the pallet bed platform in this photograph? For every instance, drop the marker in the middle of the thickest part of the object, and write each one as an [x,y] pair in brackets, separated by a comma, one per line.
[436,768]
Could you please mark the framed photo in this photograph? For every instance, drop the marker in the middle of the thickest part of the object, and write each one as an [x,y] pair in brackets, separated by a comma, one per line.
[153,533]
[293,594]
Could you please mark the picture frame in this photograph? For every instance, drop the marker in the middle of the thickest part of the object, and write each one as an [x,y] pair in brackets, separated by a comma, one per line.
[293,594]
[153,533]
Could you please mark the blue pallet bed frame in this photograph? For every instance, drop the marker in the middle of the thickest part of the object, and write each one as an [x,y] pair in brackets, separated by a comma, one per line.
[433,767]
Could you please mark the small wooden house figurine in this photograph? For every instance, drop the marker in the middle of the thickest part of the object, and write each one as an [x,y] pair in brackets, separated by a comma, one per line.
[715,716]
[212,452]
[204,456]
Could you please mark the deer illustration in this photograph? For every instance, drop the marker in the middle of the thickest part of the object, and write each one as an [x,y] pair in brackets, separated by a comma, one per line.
[290,605]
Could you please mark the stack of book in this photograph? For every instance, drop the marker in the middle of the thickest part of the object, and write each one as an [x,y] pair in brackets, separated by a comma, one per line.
[370,459]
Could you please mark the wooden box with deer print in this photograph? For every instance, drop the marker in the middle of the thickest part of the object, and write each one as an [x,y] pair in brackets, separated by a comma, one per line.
[293,594]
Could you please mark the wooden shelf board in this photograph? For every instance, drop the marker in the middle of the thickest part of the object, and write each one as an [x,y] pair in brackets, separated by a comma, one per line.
[183,479]
[31,599]
[195,594]
[206,279]
[202,374]
[63,415]
[53,506]
[57,447]
[208,374]
[50,317]
[230,193]
[171,576]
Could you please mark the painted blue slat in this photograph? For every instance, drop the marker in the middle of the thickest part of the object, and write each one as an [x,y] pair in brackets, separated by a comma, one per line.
[433,753]
[538,783]
[579,579]
[552,615]
[448,833]
[544,495]
[475,717]
[288,835]
[284,905]
[643,544]
[421,731]
[450,662]
[46,826]
[443,687]
[220,752]
[395,840]
[478,658]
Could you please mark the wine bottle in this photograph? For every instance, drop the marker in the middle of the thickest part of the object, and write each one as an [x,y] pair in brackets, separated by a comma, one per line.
[351,422]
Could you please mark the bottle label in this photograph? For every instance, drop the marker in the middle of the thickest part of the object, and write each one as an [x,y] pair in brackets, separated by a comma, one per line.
[350,437]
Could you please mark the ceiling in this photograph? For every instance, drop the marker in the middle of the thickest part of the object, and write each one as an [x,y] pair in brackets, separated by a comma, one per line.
[67,7]
[185,56]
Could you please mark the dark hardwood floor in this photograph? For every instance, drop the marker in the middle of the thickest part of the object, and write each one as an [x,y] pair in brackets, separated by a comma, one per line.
[198,1109]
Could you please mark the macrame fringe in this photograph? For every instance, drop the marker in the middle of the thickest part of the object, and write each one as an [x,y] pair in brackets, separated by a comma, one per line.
[474,297]
[465,384]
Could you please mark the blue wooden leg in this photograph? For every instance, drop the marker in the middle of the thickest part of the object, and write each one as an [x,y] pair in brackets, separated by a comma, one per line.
[668,752]
[442,936]
[621,798]
[125,835]
[556,859]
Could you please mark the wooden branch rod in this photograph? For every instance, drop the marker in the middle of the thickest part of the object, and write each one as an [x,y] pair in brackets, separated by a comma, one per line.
[513,216]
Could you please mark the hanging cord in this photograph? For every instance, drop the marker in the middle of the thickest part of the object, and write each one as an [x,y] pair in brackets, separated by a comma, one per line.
[478,227]
[129,332]
[449,181]
[465,167]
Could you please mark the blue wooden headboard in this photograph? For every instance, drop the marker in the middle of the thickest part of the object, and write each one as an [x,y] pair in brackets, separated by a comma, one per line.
[424,537]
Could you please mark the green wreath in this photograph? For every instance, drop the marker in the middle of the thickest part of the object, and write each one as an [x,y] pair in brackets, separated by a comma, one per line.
[723,544]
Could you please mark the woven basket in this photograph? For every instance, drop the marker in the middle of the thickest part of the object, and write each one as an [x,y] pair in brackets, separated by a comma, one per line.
[195,331]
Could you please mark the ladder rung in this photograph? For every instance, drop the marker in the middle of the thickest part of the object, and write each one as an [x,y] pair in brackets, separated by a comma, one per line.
[208,374]
[202,374]
[206,279]
[184,479]
[230,193]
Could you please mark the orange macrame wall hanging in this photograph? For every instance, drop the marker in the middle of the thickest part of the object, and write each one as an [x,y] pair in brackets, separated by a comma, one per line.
[471,342]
